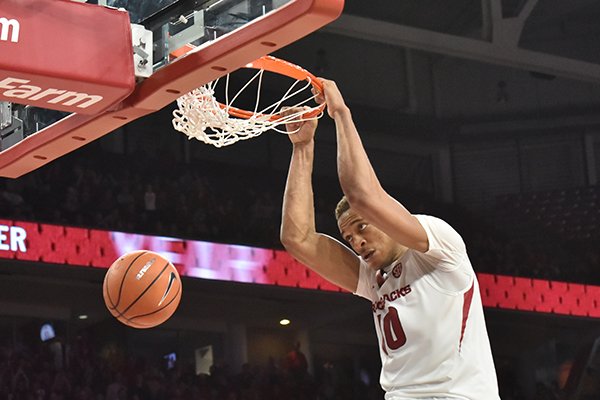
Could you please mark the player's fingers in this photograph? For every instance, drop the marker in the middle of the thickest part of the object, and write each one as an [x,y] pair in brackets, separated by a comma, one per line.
[326,84]
[291,110]
[319,96]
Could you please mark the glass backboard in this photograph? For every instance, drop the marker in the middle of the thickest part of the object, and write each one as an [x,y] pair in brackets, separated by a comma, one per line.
[173,24]
[229,33]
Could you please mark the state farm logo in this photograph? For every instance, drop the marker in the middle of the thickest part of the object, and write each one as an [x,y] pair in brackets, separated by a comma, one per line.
[19,89]
[9,28]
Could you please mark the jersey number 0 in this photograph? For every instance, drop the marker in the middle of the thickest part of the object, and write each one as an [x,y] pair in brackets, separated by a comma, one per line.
[393,336]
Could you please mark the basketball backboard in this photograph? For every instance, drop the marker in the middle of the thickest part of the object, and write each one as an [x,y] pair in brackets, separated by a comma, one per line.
[227,34]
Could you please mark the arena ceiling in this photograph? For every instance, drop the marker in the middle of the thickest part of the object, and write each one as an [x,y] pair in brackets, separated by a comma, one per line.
[494,31]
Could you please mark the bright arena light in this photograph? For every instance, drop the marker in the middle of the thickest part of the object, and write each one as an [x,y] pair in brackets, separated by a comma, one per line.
[285,322]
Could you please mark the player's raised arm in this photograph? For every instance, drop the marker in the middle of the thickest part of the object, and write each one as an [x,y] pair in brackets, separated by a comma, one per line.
[360,183]
[325,255]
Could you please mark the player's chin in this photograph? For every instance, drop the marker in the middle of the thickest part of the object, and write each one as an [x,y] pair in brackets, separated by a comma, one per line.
[373,264]
[376,265]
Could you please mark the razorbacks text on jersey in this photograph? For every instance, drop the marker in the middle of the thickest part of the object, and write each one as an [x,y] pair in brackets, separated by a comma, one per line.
[429,320]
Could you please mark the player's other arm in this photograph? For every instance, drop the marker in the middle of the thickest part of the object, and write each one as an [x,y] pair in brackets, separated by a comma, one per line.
[323,254]
[360,183]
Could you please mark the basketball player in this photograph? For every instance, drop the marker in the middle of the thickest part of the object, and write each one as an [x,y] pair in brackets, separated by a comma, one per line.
[414,270]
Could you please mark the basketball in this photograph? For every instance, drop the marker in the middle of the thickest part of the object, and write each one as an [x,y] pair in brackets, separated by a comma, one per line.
[142,289]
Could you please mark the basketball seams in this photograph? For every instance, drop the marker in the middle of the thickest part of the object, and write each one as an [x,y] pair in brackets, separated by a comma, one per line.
[157,300]
[125,276]
[159,309]
[136,325]
[107,296]
[133,324]
[121,313]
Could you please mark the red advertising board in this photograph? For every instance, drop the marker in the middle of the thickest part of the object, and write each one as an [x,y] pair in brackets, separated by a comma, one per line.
[55,244]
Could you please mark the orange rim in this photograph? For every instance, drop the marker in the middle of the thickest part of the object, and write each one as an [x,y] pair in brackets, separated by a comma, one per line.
[281,67]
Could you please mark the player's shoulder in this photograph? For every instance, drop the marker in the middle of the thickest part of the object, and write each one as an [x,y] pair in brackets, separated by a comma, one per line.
[435,225]
[440,234]
[430,219]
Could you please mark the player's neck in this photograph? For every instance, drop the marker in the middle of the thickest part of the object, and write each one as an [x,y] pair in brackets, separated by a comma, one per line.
[401,251]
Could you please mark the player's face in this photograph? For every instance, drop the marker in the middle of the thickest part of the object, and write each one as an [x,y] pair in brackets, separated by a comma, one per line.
[370,243]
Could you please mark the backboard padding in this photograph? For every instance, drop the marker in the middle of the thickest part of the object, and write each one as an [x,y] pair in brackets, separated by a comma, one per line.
[265,34]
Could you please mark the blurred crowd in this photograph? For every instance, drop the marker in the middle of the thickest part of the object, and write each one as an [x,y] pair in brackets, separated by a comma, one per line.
[52,371]
[83,369]
[563,262]
[233,204]
[176,202]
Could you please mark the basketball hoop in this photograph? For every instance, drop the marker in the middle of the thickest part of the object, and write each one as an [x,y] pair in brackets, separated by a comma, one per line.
[201,116]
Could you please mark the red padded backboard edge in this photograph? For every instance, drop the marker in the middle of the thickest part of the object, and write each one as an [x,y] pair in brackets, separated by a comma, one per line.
[262,36]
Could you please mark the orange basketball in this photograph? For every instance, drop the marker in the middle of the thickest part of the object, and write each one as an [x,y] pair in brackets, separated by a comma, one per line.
[142,289]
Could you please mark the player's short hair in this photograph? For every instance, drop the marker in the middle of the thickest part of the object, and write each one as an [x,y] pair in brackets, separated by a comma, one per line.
[342,207]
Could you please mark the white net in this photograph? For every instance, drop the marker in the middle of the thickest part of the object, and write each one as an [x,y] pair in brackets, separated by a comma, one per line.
[201,116]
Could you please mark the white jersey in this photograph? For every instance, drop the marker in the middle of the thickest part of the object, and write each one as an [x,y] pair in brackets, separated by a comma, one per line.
[429,320]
